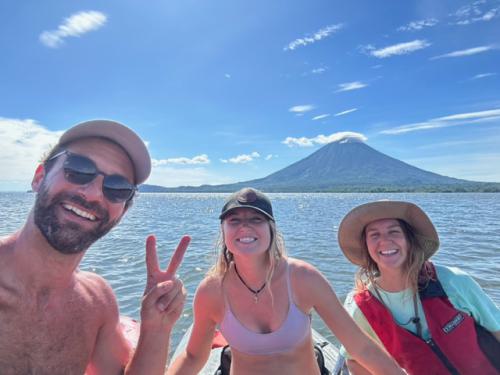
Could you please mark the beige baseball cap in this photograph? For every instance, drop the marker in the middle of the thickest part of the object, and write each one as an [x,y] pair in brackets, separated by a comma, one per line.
[121,135]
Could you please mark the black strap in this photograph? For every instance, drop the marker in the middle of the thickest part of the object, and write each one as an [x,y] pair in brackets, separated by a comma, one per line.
[489,345]
[320,358]
[225,361]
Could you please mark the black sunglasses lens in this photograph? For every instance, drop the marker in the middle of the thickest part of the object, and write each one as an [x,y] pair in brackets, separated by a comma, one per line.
[79,170]
[117,189]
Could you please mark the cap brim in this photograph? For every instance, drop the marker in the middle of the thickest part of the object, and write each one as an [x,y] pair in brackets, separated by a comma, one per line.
[229,210]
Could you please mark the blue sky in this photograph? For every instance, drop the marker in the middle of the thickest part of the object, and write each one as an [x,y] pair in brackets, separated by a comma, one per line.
[226,91]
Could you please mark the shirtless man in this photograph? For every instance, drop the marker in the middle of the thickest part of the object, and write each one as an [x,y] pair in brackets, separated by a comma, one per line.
[54,318]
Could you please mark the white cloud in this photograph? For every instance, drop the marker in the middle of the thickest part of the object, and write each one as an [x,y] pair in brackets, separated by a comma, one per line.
[419,25]
[345,112]
[317,36]
[242,159]
[73,26]
[396,49]
[22,146]
[199,159]
[300,109]
[324,139]
[320,117]
[483,75]
[446,121]
[349,86]
[271,156]
[466,52]
[318,70]
[475,12]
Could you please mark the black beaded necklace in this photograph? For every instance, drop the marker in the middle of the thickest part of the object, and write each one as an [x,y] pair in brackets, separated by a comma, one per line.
[255,292]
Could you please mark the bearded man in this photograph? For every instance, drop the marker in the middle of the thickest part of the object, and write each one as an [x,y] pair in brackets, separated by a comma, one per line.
[55,318]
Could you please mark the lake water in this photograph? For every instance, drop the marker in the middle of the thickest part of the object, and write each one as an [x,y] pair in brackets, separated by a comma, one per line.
[468,224]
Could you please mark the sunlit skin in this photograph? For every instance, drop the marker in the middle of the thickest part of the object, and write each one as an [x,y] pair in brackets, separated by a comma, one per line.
[110,159]
[246,232]
[247,236]
[76,326]
[387,246]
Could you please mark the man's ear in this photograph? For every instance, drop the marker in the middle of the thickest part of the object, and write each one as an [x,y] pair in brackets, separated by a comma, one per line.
[38,177]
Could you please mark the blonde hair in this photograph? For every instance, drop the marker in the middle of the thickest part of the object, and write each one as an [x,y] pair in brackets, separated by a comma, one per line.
[417,269]
[275,253]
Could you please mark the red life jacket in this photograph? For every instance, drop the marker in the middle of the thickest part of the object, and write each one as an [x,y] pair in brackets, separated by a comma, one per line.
[453,347]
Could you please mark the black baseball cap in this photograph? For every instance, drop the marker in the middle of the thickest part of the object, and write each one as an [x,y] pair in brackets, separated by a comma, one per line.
[248,198]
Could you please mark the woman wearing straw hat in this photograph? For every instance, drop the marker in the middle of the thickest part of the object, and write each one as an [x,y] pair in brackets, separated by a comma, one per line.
[432,319]
[262,300]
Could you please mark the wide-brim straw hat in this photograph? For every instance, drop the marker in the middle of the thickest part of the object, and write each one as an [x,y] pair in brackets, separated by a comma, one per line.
[353,224]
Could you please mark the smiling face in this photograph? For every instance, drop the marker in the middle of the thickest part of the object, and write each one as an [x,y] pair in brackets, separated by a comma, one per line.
[71,217]
[387,244]
[246,232]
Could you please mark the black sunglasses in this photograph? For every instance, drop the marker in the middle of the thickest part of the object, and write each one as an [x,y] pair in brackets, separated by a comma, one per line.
[80,170]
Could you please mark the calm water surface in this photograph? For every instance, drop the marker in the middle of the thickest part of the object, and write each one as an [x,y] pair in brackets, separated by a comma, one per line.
[468,224]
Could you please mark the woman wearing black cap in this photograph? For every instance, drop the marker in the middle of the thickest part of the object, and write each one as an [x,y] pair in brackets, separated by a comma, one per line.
[261,301]
[430,318]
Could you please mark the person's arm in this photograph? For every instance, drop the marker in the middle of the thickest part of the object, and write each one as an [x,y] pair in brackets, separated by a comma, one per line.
[315,290]
[111,350]
[206,303]
[356,369]
[151,354]
[161,307]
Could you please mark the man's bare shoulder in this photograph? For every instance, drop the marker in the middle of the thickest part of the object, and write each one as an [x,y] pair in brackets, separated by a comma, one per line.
[94,287]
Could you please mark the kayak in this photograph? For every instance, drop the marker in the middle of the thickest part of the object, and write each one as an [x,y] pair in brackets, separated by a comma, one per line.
[333,361]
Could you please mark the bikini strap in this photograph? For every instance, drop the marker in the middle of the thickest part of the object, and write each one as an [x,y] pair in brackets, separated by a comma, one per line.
[289,283]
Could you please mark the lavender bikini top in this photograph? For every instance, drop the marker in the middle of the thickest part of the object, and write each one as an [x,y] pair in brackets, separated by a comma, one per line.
[295,328]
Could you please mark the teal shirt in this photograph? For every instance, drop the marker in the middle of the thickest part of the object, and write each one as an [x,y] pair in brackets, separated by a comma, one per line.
[463,292]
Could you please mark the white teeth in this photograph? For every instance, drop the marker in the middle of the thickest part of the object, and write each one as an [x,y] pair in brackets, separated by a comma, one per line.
[388,252]
[79,212]
[246,239]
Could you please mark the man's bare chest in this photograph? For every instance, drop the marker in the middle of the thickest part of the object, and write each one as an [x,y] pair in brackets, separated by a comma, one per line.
[46,341]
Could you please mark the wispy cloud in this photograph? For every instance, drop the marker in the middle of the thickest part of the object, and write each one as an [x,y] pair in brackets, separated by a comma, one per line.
[446,121]
[271,156]
[200,159]
[478,11]
[345,112]
[396,49]
[483,75]
[300,109]
[419,25]
[324,139]
[242,159]
[227,75]
[320,117]
[23,142]
[73,26]
[317,36]
[466,52]
[318,70]
[349,86]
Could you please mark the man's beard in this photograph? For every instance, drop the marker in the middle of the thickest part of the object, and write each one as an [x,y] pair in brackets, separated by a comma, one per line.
[69,237]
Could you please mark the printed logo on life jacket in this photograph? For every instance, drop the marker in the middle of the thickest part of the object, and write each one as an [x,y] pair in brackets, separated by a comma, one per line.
[454,323]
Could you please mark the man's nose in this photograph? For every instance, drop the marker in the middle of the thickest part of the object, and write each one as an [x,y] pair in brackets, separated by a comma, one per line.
[93,190]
